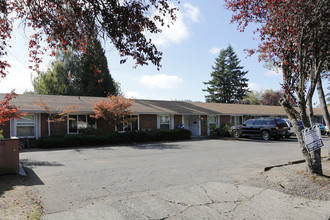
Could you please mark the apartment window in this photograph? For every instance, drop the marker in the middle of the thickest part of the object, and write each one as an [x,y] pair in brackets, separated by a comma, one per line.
[77,122]
[25,126]
[212,121]
[236,120]
[133,125]
[164,121]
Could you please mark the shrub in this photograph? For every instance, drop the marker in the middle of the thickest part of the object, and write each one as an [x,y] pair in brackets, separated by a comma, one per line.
[224,131]
[76,140]
[89,130]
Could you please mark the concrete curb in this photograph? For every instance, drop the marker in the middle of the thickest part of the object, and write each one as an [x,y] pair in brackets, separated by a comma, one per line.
[292,162]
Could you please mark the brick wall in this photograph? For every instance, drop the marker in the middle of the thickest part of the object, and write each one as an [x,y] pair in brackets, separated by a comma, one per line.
[105,125]
[224,119]
[177,120]
[203,125]
[148,122]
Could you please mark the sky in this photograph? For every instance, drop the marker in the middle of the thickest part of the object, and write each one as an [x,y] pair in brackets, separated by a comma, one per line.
[189,48]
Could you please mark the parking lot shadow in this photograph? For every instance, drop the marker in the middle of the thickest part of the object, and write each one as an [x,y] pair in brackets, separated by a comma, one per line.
[8,182]
[155,146]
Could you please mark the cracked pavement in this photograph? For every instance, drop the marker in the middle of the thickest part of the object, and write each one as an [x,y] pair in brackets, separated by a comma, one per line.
[212,200]
[179,180]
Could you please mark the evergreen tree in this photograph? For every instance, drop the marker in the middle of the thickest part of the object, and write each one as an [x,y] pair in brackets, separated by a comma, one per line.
[72,73]
[228,84]
[60,77]
[96,79]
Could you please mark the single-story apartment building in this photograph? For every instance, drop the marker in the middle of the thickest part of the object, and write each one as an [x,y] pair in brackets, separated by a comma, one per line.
[198,117]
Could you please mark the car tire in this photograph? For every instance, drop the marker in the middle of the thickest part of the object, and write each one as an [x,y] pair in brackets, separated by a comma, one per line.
[236,134]
[265,135]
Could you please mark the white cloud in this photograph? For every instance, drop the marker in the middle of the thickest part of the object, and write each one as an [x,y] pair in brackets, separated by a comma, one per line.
[215,50]
[161,81]
[192,12]
[178,29]
[253,86]
[273,73]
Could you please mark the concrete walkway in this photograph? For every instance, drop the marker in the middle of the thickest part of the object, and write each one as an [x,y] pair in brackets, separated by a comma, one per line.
[212,200]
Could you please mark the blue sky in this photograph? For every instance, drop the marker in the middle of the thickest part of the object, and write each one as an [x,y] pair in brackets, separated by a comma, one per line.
[189,49]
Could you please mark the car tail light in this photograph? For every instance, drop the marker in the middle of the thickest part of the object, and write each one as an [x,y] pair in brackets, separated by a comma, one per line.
[277,128]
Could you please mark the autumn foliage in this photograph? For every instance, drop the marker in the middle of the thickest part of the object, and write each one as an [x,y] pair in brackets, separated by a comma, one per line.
[56,116]
[60,24]
[8,111]
[115,109]
[294,36]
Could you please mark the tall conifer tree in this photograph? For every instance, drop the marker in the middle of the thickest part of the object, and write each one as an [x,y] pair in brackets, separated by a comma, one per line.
[228,84]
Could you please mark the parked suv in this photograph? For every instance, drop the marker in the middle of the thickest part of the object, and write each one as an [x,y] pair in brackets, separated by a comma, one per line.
[291,128]
[265,127]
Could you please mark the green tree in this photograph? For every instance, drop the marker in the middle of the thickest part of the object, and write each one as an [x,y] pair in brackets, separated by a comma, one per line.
[228,84]
[73,73]
[60,77]
[95,79]
[252,98]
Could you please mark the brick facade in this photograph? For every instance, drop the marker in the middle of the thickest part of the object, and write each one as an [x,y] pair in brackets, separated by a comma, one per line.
[177,120]
[148,122]
[105,125]
[224,119]
[203,125]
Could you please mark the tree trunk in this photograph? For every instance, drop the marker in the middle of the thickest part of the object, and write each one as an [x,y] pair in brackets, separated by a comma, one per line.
[313,159]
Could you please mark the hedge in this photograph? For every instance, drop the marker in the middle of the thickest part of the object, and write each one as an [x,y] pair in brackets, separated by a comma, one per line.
[95,139]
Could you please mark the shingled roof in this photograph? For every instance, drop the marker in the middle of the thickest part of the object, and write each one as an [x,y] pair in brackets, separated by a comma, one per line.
[84,105]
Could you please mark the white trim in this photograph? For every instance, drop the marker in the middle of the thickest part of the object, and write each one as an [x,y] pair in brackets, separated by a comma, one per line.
[172,122]
[68,124]
[138,124]
[15,127]
[199,125]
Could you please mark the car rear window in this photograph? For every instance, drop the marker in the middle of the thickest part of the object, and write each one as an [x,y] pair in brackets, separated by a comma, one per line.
[270,122]
[249,122]
[259,122]
[281,121]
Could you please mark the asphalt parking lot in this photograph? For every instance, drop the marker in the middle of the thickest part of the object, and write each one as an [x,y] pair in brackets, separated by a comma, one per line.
[122,182]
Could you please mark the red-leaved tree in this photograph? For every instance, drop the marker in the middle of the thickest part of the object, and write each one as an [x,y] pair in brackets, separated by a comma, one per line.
[115,109]
[56,116]
[270,97]
[7,110]
[294,36]
[61,24]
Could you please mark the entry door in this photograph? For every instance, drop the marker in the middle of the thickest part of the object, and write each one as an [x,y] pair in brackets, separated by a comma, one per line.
[194,124]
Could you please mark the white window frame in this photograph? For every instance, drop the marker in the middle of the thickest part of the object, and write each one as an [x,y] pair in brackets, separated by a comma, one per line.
[211,122]
[34,127]
[77,115]
[130,126]
[159,121]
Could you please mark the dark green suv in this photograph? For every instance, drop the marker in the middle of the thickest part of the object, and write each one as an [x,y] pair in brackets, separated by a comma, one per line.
[266,128]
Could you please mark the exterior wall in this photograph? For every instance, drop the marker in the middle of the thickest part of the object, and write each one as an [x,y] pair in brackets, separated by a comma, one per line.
[58,128]
[177,120]
[203,120]
[105,125]
[44,125]
[224,119]
[148,122]
[6,130]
